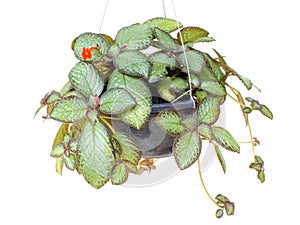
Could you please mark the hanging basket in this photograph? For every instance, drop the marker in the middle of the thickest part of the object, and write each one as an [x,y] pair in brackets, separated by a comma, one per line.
[121,106]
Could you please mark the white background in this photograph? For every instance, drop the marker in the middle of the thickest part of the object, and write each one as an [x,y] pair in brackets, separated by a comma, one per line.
[260,40]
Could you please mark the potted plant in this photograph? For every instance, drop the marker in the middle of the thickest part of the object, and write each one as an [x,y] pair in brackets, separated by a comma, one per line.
[116,89]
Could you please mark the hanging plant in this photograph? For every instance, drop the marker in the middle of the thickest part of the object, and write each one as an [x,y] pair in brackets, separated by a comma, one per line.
[116,85]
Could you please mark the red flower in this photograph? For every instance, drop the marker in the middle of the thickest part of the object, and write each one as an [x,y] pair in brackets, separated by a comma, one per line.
[87,52]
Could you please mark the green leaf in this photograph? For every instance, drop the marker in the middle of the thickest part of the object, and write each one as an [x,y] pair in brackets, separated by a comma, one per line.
[255,105]
[201,95]
[259,159]
[165,24]
[115,101]
[131,168]
[119,174]
[58,150]
[245,81]
[164,89]
[70,162]
[133,63]
[92,43]
[261,176]
[266,112]
[191,34]
[214,87]
[190,122]
[221,198]
[179,84]
[221,158]
[62,131]
[130,149]
[219,213]
[85,78]
[59,165]
[204,130]
[134,37]
[195,59]
[209,110]
[165,40]
[225,139]
[160,63]
[256,166]
[187,148]
[66,89]
[221,60]
[69,110]
[170,121]
[138,115]
[95,154]
[229,208]
[214,67]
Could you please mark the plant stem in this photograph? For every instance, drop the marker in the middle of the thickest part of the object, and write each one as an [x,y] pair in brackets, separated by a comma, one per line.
[251,139]
[204,187]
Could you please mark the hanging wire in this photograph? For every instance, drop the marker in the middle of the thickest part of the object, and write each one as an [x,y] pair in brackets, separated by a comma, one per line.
[104,12]
[164,8]
[186,60]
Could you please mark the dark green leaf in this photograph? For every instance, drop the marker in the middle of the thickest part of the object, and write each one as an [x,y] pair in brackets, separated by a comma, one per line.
[95,154]
[130,149]
[195,59]
[256,166]
[192,34]
[214,87]
[115,101]
[138,115]
[225,139]
[247,110]
[69,110]
[179,84]
[219,213]
[85,78]
[165,24]
[170,121]
[266,112]
[221,158]
[201,95]
[58,150]
[245,81]
[134,37]
[209,110]
[229,208]
[221,60]
[187,148]
[70,162]
[133,63]
[119,174]
[213,64]
[165,40]
[90,43]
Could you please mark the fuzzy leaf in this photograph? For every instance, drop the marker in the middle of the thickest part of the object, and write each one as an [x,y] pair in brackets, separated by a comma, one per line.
[165,90]
[59,165]
[266,112]
[214,88]
[195,60]
[119,174]
[133,63]
[70,162]
[160,63]
[136,116]
[225,139]
[85,78]
[165,24]
[187,148]
[179,84]
[214,67]
[221,158]
[191,34]
[204,130]
[170,121]
[165,40]
[91,44]
[58,150]
[134,37]
[245,81]
[229,208]
[190,122]
[95,154]
[209,110]
[219,213]
[115,101]
[130,149]
[69,110]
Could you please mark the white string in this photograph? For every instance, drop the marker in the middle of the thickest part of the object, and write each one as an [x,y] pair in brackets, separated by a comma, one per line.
[164,7]
[104,12]
[186,60]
